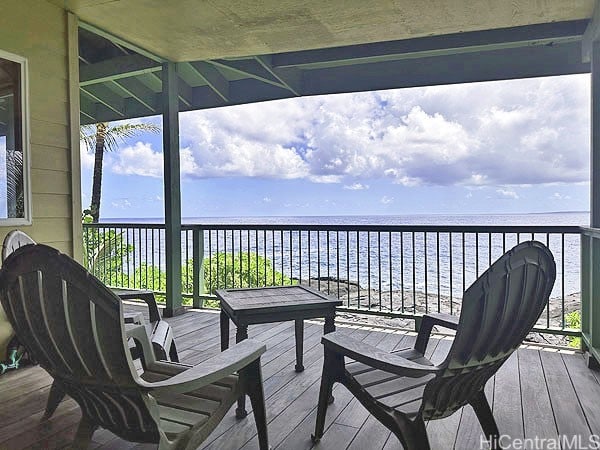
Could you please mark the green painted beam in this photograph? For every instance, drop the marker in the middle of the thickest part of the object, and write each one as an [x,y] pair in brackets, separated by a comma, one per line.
[115,69]
[185,93]
[106,97]
[212,77]
[122,42]
[172,189]
[140,93]
[592,34]
[450,44]
[292,81]
[249,68]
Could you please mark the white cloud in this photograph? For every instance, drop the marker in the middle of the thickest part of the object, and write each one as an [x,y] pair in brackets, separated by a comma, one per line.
[356,186]
[121,203]
[559,196]
[386,200]
[507,193]
[510,133]
[141,159]
[267,199]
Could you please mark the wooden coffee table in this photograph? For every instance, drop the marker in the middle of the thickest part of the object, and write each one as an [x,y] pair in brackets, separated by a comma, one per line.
[274,304]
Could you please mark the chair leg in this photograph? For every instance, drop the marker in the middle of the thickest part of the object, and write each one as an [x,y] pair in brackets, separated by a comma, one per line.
[83,437]
[257,399]
[173,352]
[54,398]
[331,365]
[412,435]
[486,419]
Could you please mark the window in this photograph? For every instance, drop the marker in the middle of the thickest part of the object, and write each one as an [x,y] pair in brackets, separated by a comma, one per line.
[14,142]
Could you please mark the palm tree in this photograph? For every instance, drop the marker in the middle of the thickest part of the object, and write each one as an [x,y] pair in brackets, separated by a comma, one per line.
[100,137]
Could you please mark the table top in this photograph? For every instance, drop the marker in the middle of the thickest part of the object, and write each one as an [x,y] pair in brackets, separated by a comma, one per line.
[275,298]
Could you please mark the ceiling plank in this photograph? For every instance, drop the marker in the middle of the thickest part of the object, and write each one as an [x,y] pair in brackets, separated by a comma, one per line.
[213,78]
[115,69]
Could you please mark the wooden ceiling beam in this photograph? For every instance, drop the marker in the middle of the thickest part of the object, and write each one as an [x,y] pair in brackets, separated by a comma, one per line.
[212,77]
[116,69]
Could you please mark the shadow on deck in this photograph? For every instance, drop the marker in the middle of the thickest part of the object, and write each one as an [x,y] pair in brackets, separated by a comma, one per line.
[538,393]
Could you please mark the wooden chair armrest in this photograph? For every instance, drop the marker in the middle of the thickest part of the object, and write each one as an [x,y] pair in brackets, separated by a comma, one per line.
[211,370]
[374,357]
[152,306]
[428,322]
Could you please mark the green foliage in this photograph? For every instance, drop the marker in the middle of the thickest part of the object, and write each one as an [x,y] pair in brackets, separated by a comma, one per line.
[104,253]
[147,276]
[228,270]
[573,320]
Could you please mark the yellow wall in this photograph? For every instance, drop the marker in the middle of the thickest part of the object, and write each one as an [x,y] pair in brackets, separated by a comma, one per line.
[39,31]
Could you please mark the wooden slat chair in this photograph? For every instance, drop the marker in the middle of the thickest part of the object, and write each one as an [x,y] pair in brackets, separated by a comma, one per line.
[159,332]
[404,389]
[73,325]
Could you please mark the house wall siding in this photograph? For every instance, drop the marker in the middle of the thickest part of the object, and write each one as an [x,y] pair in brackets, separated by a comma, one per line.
[38,31]
[44,33]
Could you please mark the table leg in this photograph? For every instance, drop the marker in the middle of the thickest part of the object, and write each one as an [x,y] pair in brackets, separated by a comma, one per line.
[299,344]
[240,335]
[224,331]
[329,326]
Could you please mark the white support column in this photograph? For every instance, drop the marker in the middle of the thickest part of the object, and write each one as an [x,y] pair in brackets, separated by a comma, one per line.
[172,189]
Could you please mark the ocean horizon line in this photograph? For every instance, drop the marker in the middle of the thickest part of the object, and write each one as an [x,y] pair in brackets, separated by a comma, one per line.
[305,216]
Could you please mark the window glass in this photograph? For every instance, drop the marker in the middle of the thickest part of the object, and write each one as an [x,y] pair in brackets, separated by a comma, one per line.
[12,181]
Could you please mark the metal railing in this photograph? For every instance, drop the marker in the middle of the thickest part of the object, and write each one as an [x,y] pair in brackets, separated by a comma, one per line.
[396,271]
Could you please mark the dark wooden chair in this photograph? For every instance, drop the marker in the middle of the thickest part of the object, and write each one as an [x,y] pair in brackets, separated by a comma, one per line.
[158,331]
[73,325]
[404,389]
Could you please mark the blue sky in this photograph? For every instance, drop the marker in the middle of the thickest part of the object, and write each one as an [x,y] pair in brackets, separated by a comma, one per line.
[499,147]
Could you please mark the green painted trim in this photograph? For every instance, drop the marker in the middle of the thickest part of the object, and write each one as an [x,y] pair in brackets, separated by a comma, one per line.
[111,37]
[116,68]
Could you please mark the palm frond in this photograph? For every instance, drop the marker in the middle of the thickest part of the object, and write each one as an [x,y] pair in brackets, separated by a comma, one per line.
[113,135]
[87,135]
[120,133]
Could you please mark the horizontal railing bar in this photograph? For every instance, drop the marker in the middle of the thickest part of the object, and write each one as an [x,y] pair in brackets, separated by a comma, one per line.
[569,229]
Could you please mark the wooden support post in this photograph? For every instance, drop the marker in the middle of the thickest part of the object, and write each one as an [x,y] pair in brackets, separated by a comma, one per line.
[590,310]
[198,266]
[172,191]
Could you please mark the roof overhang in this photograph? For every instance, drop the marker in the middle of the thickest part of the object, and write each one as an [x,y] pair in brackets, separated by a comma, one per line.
[230,52]
[192,30]
[120,83]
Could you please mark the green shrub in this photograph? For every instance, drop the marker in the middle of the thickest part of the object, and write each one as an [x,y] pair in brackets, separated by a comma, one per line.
[573,320]
[241,270]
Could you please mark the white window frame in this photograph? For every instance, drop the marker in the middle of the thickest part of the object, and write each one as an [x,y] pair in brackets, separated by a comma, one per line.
[17,221]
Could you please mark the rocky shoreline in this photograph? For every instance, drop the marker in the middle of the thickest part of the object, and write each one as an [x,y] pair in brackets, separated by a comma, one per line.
[354,295]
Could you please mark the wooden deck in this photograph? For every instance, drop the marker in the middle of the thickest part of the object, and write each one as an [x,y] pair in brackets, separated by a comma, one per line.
[538,393]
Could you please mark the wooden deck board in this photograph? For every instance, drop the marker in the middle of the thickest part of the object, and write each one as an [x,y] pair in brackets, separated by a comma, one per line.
[537,393]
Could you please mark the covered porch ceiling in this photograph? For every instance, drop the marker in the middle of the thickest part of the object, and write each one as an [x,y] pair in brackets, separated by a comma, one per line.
[230,53]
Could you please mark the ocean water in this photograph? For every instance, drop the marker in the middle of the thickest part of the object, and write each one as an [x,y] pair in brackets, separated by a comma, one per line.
[433,262]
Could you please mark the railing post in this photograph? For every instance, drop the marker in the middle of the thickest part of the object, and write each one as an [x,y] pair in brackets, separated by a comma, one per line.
[198,266]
